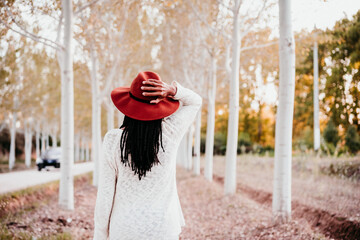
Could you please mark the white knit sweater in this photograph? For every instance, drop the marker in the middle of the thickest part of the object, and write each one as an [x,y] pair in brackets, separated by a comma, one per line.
[149,209]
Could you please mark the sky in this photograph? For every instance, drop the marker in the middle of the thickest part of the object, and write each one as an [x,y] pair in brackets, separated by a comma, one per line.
[324,14]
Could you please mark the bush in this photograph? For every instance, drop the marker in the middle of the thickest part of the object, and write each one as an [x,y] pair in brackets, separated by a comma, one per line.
[352,139]
[244,142]
[220,143]
[331,134]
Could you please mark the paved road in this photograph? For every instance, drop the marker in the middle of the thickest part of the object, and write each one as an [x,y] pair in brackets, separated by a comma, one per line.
[18,180]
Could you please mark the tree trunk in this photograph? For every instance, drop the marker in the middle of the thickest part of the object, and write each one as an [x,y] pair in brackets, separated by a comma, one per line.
[281,204]
[260,122]
[120,118]
[190,136]
[197,144]
[46,141]
[316,100]
[37,141]
[210,126]
[66,191]
[96,120]
[82,150]
[12,141]
[87,152]
[77,148]
[53,139]
[110,115]
[232,133]
[43,143]
[28,143]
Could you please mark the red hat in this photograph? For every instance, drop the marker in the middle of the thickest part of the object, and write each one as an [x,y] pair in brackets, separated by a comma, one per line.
[131,102]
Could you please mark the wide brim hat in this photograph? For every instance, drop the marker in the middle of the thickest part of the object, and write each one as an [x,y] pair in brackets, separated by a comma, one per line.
[132,103]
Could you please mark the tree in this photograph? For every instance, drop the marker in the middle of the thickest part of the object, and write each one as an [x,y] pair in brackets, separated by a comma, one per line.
[239,30]
[352,139]
[281,204]
[331,133]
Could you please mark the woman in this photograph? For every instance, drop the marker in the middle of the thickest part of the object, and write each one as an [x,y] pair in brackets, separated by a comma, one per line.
[137,197]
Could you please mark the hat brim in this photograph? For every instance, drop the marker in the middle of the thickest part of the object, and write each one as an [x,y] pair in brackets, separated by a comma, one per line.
[140,110]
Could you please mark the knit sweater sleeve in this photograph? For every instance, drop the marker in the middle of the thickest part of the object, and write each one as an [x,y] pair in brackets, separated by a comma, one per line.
[180,121]
[106,189]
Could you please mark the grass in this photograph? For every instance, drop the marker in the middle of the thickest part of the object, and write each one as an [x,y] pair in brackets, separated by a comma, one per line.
[18,166]
[5,234]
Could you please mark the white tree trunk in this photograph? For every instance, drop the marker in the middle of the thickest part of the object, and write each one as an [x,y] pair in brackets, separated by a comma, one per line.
[87,152]
[210,126]
[96,120]
[281,204]
[77,148]
[43,142]
[110,115]
[53,139]
[66,191]
[37,140]
[316,99]
[46,141]
[12,141]
[82,150]
[28,145]
[232,133]
[197,144]
[120,118]
[190,136]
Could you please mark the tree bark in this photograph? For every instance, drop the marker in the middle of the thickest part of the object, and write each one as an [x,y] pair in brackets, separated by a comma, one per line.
[232,133]
[43,142]
[37,141]
[53,139]
[190,136]
[197,144]
[28,145]
[281,204]
[210,127]
[12,155]
[77,148]
[82,150]
[110,115]
[96,119]
[120,118]
[87,152]
[46,141]
[316,99]
[66,191]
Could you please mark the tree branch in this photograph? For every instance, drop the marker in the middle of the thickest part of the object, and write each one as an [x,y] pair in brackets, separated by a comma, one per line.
[83,7]
[28,34]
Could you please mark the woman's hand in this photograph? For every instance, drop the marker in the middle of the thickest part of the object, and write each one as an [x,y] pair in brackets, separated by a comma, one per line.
[159,89]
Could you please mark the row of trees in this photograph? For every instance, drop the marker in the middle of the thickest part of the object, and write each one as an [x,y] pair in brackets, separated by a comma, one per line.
[113,40]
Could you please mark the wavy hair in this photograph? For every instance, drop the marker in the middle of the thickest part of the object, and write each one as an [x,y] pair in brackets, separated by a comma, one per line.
[141,140]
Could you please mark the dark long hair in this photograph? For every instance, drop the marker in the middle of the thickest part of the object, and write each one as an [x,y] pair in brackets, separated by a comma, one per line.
[142,140]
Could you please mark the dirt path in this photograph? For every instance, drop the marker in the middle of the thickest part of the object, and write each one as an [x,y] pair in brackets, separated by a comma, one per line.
[329,204]
[208,215]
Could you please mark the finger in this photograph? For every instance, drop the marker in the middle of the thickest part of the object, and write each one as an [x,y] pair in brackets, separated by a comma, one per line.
[152,88]
[152,83]
[156,101]
[152,94]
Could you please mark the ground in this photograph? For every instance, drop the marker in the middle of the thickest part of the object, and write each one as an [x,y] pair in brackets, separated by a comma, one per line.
[323,207]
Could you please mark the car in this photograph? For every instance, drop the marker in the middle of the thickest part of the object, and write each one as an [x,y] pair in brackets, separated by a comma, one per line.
[51,157]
